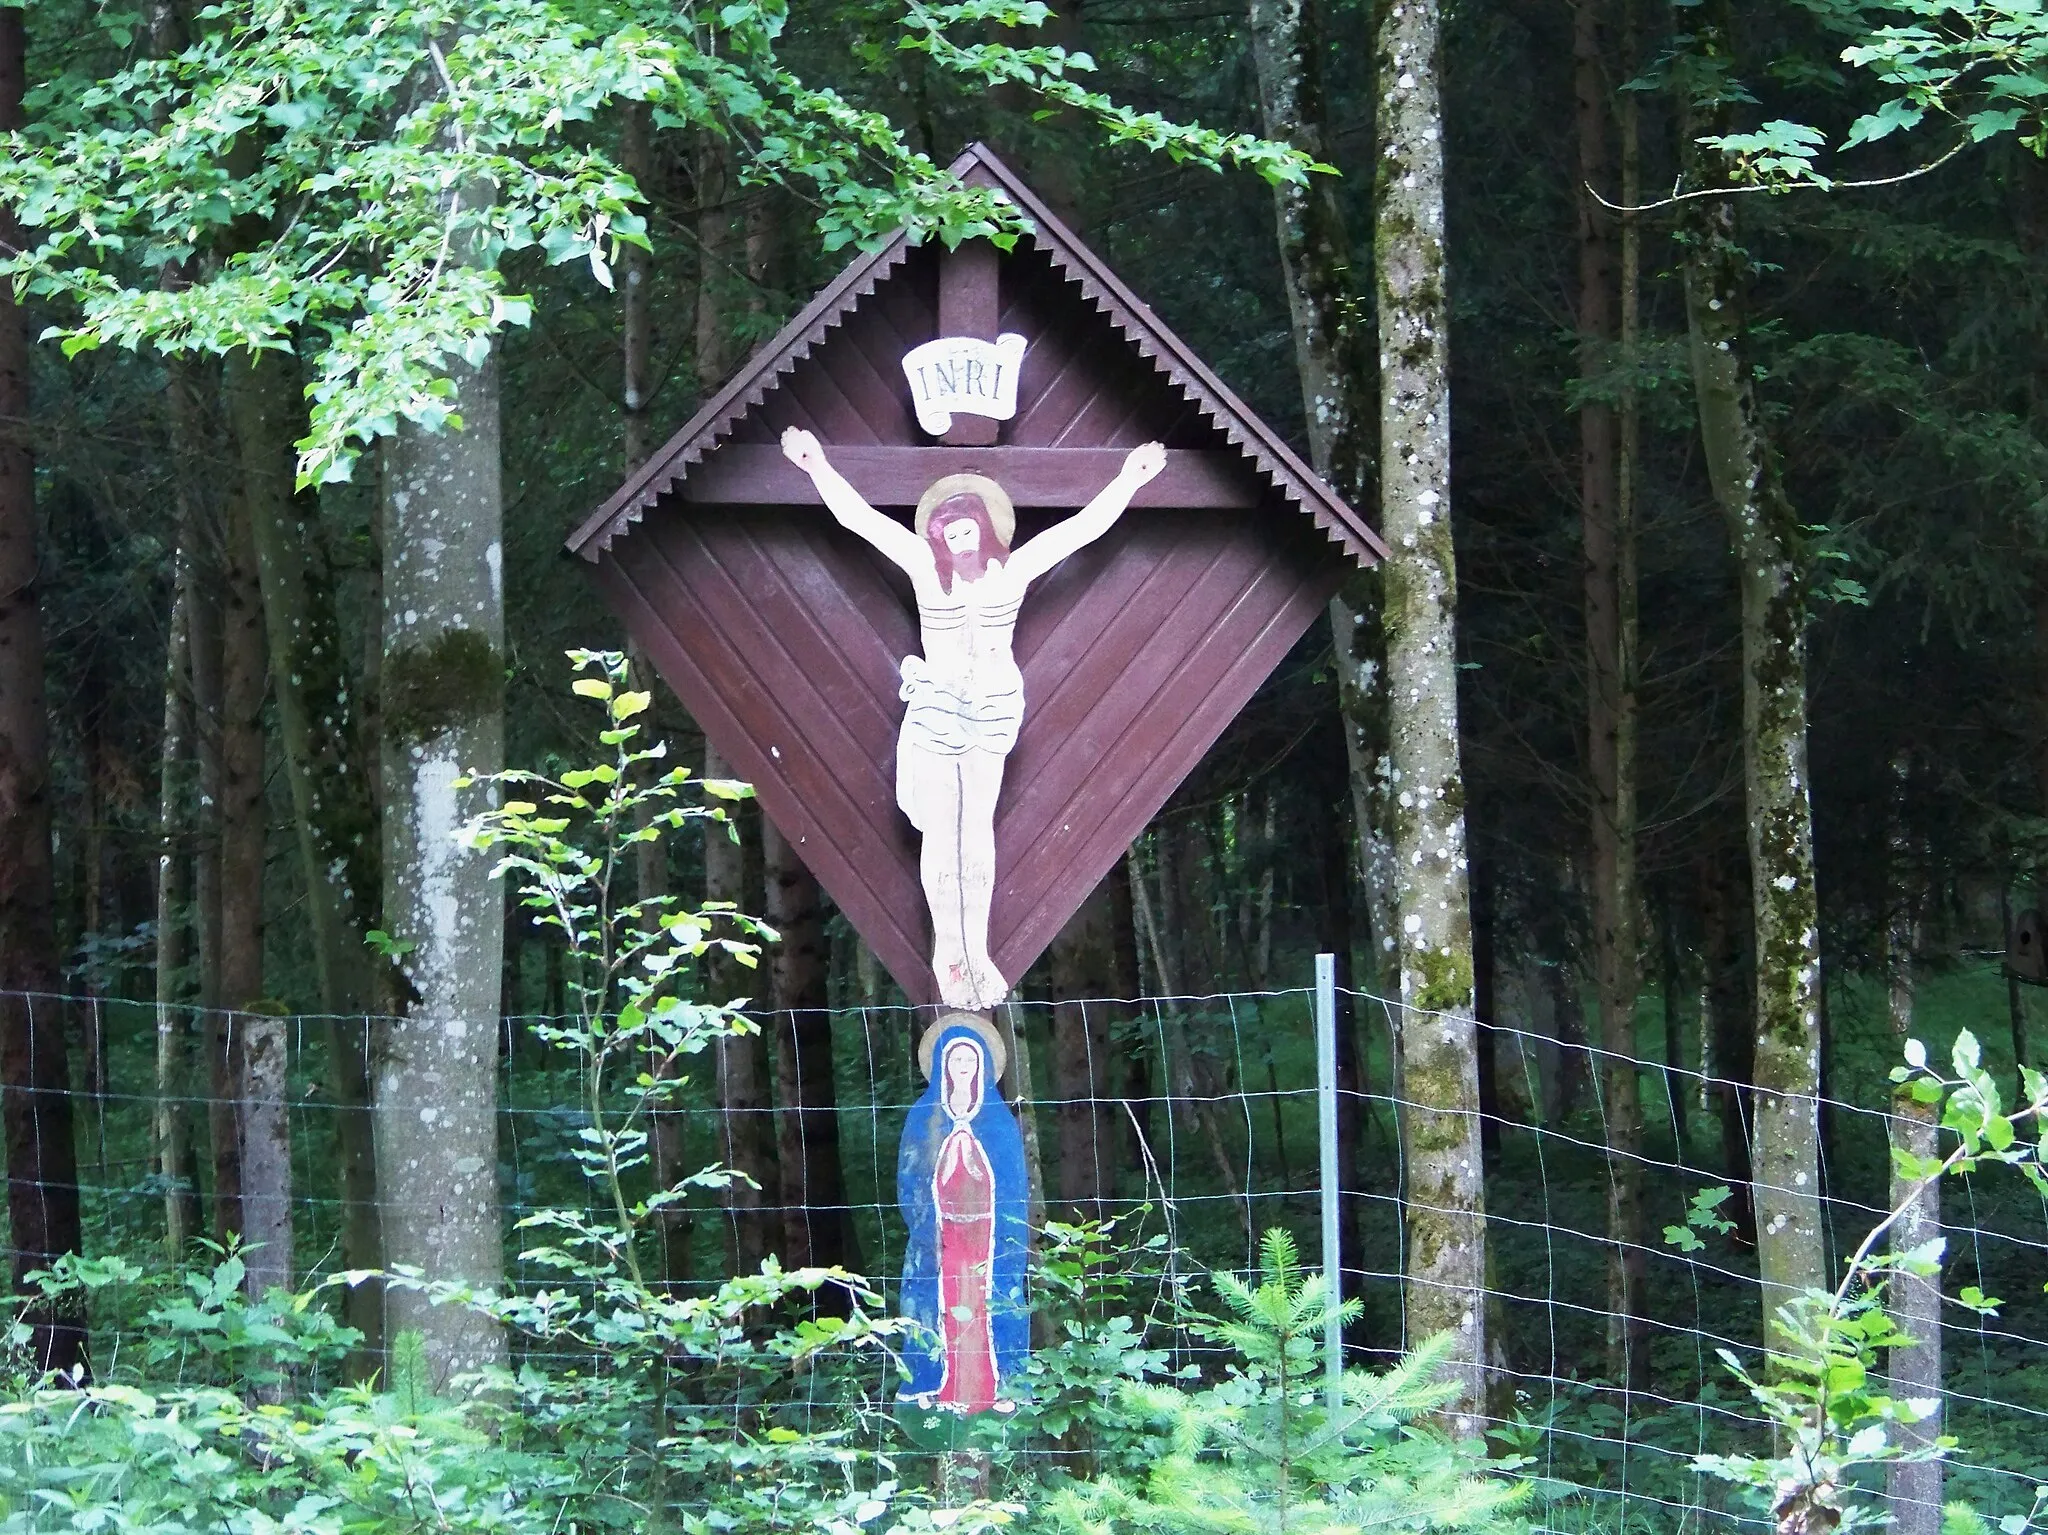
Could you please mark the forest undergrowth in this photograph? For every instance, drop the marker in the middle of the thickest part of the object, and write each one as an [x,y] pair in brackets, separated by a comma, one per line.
[1177,1379]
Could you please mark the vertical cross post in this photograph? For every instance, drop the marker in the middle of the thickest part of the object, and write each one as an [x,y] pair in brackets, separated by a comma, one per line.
[968,307]
[1326,1125]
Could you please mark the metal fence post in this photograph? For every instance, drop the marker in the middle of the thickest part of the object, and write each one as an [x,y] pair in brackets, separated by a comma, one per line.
[1326,1126]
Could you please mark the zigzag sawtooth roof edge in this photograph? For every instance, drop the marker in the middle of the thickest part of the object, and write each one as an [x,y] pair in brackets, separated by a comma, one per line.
[1131,317]
[742,393]
[1209,394]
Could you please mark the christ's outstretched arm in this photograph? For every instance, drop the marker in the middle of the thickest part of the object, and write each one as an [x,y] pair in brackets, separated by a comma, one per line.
[896,541]
[1038,556]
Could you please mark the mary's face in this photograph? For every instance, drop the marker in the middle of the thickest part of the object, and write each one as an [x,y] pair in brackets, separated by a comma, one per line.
[963,1079]
[962,535]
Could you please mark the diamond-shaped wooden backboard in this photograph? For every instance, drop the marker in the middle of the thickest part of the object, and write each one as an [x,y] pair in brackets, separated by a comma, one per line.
[783,634]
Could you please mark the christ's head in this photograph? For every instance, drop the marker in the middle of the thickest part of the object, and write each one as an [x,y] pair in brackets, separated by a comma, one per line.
[960,1078]
[963,539]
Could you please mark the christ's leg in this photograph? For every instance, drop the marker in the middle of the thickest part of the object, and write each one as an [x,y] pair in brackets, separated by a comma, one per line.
[981,785]
[928,785]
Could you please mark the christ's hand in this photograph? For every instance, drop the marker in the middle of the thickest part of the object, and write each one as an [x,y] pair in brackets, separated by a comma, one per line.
[801,449]
[1144,462]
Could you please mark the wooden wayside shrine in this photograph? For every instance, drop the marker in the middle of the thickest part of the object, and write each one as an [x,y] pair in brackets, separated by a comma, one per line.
[782,633]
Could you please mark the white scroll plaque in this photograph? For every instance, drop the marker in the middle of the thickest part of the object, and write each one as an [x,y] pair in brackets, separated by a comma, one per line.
[963,375]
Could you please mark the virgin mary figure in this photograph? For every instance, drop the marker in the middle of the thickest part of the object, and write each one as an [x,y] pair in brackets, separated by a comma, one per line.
[960,1179]
[964,697]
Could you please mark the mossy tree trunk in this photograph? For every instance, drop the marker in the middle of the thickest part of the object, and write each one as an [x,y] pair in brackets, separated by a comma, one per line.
[35,1106]
[434,1068]
[1764,532]
[319,728]
[1337,408]
[1446,1258]
[1606,544]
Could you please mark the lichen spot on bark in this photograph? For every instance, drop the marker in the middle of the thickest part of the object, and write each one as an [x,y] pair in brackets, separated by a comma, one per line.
[430,689]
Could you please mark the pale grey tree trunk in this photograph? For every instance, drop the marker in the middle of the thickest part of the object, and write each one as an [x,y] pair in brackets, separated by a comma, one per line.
[1446,1258]
[1764,531]
[434,1068]
[266,1151]
[170,1130]
[1915,1488]
[1337,409]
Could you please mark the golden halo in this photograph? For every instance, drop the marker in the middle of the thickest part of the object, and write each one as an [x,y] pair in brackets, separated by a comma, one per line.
[1002,515]
[998,1054]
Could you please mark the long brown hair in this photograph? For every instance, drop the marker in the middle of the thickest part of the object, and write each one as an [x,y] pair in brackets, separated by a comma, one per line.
[953,509]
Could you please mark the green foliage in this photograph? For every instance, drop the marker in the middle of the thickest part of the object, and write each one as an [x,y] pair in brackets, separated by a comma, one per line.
[1702,1214]
[1823,1390]
[1262,1450]
[1089,1294]
[350,179]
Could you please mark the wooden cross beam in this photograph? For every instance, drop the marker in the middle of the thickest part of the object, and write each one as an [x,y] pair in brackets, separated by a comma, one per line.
[756,474]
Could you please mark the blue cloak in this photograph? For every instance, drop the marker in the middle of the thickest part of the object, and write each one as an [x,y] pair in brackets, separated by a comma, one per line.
[924,1131]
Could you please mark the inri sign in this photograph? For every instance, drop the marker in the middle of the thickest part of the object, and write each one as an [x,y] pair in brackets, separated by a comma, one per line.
[965,375]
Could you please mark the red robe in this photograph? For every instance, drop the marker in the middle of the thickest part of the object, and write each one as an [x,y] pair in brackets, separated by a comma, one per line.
[964,1193]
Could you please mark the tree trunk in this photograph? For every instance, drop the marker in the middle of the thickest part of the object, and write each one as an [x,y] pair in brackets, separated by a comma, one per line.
[1169,927]
[35,1108]
[202,575]
[1676,1086]
[1083,961]
[315,693]
[1728,1026]
[1765,533]
[720,247]
[746,1121]
[1446,1265]
[434,1070]
[1337,408]
[242,836]
[1610,716]
[266,1151]
[172,1143]
[817,1223]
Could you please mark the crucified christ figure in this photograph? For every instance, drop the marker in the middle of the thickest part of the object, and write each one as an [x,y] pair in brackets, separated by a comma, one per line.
[964,697]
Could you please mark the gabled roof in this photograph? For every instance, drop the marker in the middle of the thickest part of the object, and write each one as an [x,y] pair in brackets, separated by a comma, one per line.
[1167,353]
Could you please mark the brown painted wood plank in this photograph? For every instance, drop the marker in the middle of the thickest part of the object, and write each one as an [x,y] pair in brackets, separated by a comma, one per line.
[817,625]
[817,392]
[756,474]
[1219,677]
[809,769]
[1080,627]
[734,614]
[869,896]
[870,370]
[1142,648]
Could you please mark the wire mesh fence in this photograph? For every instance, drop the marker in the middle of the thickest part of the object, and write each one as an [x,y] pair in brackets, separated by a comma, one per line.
[1194,1120]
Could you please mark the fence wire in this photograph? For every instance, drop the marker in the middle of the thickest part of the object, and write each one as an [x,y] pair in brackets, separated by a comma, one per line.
[1195,1119]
